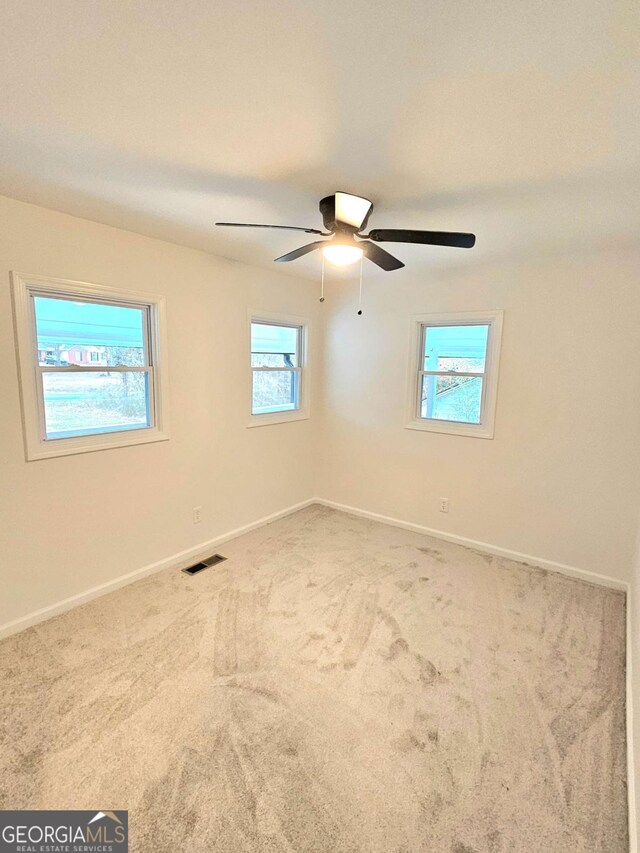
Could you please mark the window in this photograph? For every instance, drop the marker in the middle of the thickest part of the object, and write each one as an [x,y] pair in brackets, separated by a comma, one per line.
[455,384]
[90,366]
[278,349]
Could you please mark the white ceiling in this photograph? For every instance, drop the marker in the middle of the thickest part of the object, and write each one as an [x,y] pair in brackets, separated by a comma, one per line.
[516,120]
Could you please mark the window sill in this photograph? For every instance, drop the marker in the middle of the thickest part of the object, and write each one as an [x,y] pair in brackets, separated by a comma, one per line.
[90,444]
[451,428]
[277,418]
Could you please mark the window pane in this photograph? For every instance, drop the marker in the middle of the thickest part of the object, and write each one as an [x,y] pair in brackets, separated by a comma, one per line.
[86,403]
[461,348]
[274,346]
[451,398]
[272,359]
[274,391]
[89,334]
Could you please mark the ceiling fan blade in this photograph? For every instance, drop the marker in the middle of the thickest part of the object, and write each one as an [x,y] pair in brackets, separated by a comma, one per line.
[380,256]
[303,250]
[431,238]
[284,227]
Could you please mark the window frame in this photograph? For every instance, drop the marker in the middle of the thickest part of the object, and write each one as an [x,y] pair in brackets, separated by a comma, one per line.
[419,324]
[30,372]
[302,412]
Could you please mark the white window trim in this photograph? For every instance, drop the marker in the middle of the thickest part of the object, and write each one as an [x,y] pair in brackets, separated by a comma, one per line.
[36,445]
[486,428]
[303,411]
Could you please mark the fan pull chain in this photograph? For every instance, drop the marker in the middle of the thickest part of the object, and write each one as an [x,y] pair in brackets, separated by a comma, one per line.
[360,294]
[322,282]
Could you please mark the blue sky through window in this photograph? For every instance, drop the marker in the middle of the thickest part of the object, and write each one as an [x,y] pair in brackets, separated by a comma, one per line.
[273,339]
[66,322]
[456,348]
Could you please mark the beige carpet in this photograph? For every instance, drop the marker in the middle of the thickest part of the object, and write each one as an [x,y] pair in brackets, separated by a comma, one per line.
[338,685]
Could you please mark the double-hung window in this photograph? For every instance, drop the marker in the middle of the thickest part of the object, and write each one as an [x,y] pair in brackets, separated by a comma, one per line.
[278,380]
[454,373]
[91,366]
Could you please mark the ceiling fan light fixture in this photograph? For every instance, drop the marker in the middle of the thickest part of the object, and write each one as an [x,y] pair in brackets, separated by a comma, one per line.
[342,255]
[351,209]
[344,217]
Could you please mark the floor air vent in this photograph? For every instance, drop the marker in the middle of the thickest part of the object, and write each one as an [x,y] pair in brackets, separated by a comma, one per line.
[204,564]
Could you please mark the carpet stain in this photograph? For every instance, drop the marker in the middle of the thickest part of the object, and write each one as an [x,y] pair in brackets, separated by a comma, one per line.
[433,553]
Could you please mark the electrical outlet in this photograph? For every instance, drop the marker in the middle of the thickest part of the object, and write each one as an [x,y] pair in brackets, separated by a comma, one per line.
[197,514]
[444,504]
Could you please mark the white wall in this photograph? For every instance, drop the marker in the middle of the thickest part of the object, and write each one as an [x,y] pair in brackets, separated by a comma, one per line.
[70,523]
[560,479]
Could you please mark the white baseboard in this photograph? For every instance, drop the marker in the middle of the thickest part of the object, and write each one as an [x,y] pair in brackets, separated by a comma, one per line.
[184,556]
[485,547]
[174,561]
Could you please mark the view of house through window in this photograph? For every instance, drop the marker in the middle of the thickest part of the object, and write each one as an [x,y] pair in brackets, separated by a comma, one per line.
[452,372]
[94,366]
[275,367]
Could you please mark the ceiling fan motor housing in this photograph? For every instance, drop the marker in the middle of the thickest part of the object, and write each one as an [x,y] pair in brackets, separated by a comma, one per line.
[328,210]
[331,223]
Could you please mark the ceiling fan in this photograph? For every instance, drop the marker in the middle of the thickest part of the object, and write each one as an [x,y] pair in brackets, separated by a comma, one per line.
[345,216]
